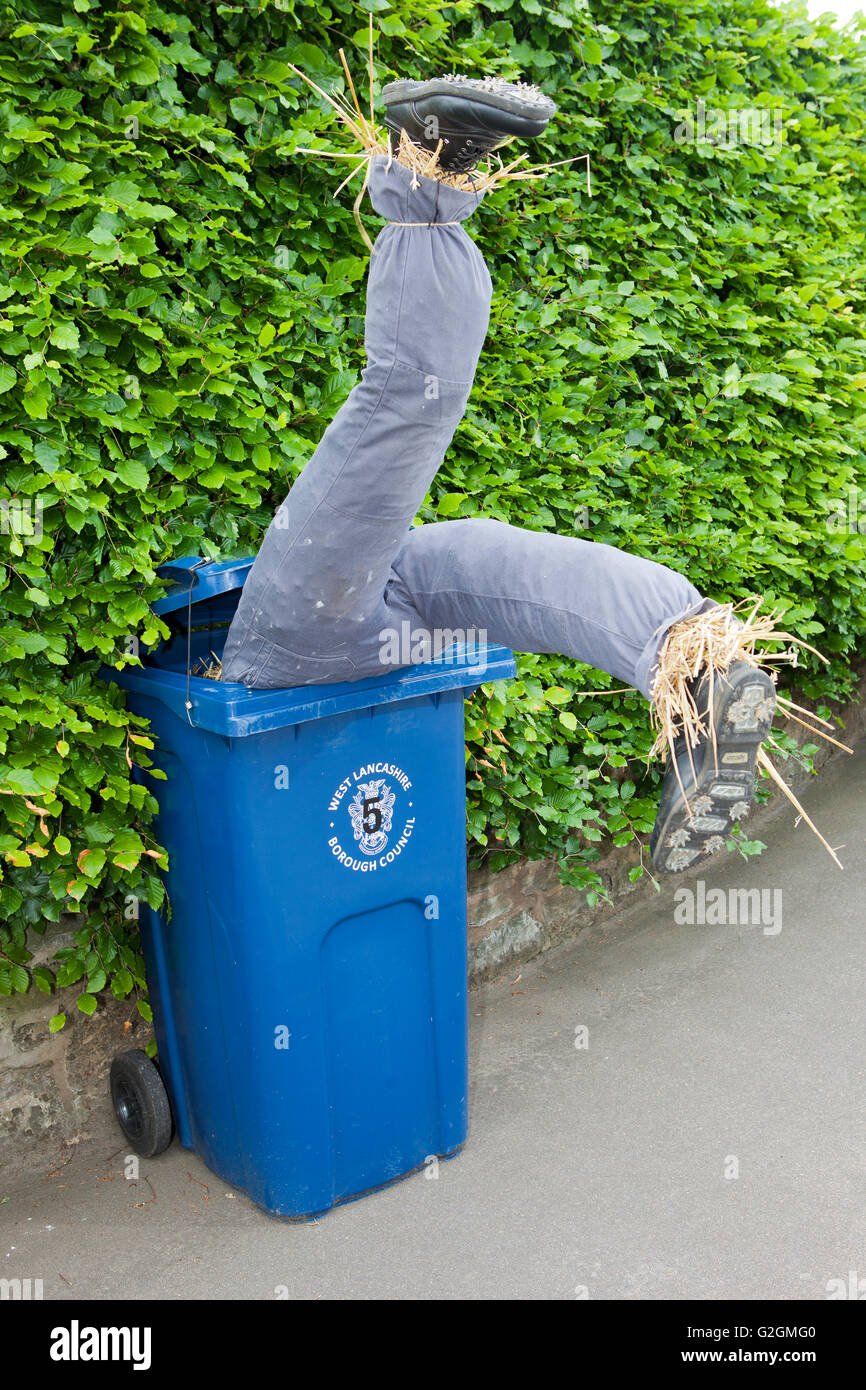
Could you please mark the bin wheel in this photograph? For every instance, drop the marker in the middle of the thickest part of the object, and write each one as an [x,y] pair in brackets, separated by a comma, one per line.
[141,1103]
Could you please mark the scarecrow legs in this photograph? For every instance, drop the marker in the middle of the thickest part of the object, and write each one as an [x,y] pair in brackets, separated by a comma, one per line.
[340,575]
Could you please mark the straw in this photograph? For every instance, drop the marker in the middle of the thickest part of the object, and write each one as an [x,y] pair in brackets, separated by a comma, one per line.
[709,643]
[765,763]
[422,162]
[209,670]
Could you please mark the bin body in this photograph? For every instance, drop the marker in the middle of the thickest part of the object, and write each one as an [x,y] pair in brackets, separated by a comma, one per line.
[309,978]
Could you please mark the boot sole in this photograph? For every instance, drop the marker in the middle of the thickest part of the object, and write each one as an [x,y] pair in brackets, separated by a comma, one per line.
[719,796]
[531,109]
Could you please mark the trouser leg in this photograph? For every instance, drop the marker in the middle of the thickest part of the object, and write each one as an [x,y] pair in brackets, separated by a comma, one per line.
[483,580]
[339,572]
[313,602]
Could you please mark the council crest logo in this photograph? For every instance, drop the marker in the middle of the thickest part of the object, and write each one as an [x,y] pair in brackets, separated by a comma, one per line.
[371,805]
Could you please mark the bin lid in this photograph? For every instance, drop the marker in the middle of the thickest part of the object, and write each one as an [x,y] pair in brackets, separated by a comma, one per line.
[206,579]
[236,710]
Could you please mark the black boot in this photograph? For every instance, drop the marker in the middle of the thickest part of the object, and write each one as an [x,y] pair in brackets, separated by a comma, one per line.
[470,115]
[718,793]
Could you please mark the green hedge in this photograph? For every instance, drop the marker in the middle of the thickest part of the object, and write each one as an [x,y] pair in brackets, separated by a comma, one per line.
[674,366]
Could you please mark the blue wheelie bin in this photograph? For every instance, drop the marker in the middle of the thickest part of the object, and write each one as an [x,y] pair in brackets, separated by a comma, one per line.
[309,972]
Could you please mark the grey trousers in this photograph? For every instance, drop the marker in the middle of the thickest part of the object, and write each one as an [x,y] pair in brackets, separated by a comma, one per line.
[339,571]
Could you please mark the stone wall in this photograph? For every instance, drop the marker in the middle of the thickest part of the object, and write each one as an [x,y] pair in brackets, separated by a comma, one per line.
[54,1086]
